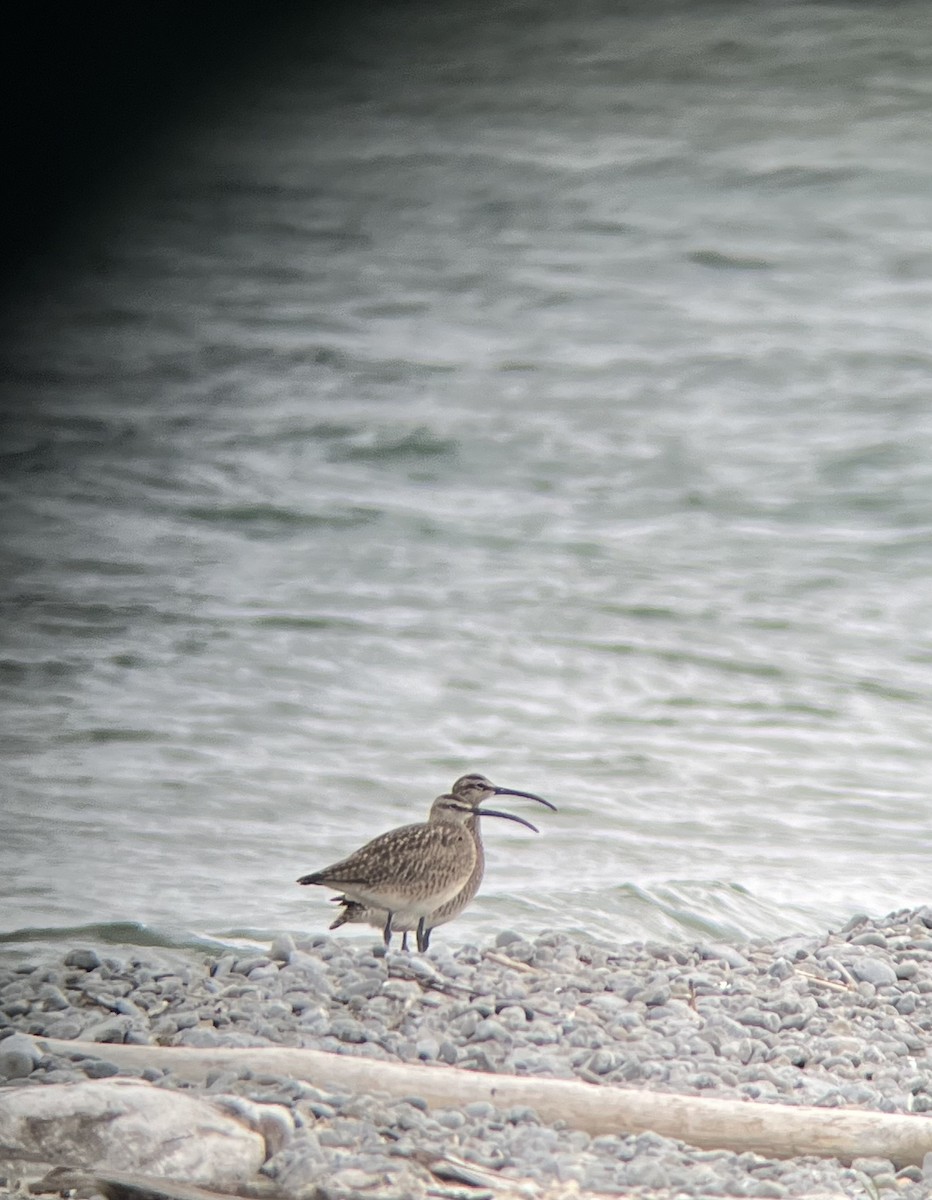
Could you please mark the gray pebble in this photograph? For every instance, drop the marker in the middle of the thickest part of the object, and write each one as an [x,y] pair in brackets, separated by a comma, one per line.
[53,998]
[243,966]
[83,960]
[873,971]
[264,971]
[349,1031]
[646,1172]
[481,1109]
[490,1030]
[64,1075]
[427,1049]
[19,1057]
[99,1068]
[110,1029]
[871,938]
[727,954]
[65,1027]
[766,1189]
[283,947]
[763,1020]
[601,1062]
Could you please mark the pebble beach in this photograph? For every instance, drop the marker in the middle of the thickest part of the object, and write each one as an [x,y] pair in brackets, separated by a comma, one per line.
[841,1020]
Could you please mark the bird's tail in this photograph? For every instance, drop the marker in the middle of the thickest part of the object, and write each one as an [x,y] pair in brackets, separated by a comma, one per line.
[351,912]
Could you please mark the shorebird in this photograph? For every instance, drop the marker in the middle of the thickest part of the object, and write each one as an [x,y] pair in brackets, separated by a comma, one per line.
[413,870]
[472,790]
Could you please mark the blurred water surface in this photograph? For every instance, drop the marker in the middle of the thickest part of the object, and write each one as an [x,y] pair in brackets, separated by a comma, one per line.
[531,389]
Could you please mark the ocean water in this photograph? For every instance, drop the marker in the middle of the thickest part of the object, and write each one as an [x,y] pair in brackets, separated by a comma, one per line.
[531,389]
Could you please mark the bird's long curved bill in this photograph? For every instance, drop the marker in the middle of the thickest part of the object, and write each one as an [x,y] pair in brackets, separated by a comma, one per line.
[527,796]
[493,812]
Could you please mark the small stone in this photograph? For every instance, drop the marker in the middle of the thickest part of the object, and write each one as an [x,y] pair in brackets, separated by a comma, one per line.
[53,998]
[266,971]
[744,1051]
[513,1017]
[19,1057]
[646,1172]
[480,1109]
[759,1020]
[243,966]
[447,1053]
[67,1028]
[601,1062]
[128,1008]
[223,966]
[349,1030]
[727,954]
[111,1029]
[871,938]
[282,948]
[99,1068]
[428,1049]
[489,1030]
[766,1189]
[874,971]
[83,960]
[872,1167]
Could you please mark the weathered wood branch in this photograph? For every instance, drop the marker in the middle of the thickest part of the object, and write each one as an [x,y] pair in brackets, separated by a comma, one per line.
[775,1130]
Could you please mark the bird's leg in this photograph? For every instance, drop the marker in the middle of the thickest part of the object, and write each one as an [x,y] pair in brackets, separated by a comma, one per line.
[387,932]
[404,940]
[427,933]
[422,937]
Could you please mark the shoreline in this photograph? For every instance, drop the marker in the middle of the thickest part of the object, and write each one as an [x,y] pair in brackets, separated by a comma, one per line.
[841,1021]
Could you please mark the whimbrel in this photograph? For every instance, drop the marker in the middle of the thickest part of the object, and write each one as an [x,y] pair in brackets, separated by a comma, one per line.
[472,790]
[413,870]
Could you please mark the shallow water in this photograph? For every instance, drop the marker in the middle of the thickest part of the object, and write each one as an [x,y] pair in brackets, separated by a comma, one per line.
[551,401]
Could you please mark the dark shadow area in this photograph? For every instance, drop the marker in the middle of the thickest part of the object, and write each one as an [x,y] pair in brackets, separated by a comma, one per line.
[92,94]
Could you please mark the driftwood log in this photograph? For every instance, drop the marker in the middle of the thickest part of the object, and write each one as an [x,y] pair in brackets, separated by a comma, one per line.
[774,1130]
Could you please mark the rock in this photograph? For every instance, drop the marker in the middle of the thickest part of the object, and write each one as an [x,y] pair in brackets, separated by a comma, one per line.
[127,1125]
[871,938]
[873,970]
[19,1057]
[110,1029]
[84,960]
[727,954]
[100,1068]
[282,948]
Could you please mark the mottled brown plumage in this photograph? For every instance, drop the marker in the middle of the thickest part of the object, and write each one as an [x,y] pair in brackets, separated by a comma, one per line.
[472,790]
[413,870]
